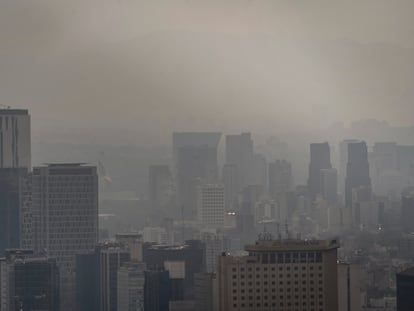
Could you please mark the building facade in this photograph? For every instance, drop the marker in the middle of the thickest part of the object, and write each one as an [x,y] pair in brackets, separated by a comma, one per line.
[65,218]
[280,275]
[210,205]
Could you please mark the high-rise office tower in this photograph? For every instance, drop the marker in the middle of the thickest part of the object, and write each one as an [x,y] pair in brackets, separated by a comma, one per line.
[28,282]
[383,168]
[329,185]
[320,158]
[65,218]
[280,275]
[204,291]
[15,222]
[192,254]
[280,177]
[231,186]
[343,162]
[195,162]
[131,286]
[407,210]
[87,282]
[210,205]
[240,152]
[405,289]
[156,290]
[349,287]
[160,186]
[357,172]
[259,171]
[15,142]
[111,257]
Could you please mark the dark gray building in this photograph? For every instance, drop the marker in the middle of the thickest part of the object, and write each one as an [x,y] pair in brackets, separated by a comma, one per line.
[14,204]
[320,158]
[280,177]
[405,290]
[357,171]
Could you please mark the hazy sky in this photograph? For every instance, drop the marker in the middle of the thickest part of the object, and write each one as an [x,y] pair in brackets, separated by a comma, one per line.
[98,70]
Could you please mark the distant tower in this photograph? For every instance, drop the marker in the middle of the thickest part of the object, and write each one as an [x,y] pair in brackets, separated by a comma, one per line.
[357,172]
[240,152]
[407,210]
[231,185]
[320,158]
[280,177]
[195,161]
[329,185]
[210,205]
[160,185]
[15,141]
[65,218]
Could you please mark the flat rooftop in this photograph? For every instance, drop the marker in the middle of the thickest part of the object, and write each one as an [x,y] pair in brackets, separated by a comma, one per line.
[292,245]
[10,112]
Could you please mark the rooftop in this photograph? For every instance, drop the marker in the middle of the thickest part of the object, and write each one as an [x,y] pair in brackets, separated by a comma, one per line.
[291,245]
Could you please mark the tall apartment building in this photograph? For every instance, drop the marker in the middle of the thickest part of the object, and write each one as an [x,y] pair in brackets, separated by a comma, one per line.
[349,287]
[357,171]
[280,275]
[65,218]
[280,177]
[210,205]
[320,158]
[195,162]
[343,162]
[28,282]
[15,139]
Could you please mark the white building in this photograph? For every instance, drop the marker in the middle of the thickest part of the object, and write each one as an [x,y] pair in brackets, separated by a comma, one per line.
[15,142]
[65,218]
[210,205]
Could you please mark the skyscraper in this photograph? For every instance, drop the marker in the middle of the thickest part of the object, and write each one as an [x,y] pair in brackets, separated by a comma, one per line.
[15,143]
[329,185]
[343,162]
[240,152]
[195,161]
[231,186]
[14,202]
[280,275]
[405,289]
[407,210]
[28,282]
[320,158]
[65,218]
[280,177]
[357,171]
[160,186]
[210,205]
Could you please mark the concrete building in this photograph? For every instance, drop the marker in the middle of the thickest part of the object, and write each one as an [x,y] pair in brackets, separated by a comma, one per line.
[215,244]
[111,257]
[15,138]
[280,177]
[156,290]
[65,218]
[349,287]
[329,185]
[192,253]
[195,162]
[357,172]
[280,275]
[131,281]
[15,221]
[405,290]
[320,158]
[204,291]
[28,282]
[210,206]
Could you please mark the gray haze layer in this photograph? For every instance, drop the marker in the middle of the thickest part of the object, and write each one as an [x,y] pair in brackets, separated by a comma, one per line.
[132,71]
